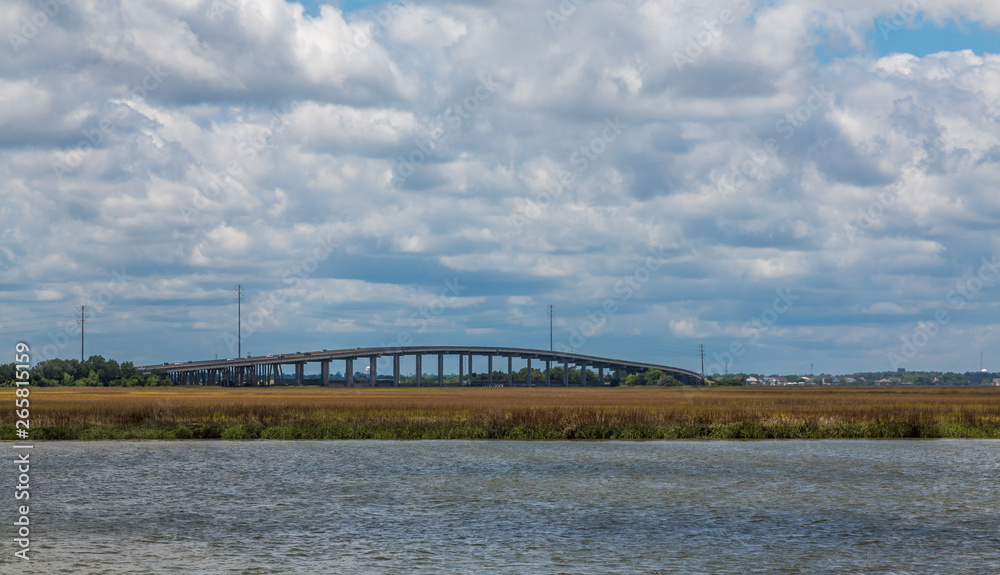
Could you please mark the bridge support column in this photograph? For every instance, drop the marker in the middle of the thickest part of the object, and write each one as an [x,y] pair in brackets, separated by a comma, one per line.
[420,369]
[548,367]
[373,370]
[395,371]
[349,371]
[440,369]
[510,370]
[324,368]
[299,369]
[600,375]
[566,373]
[489,369]
[461,369]
[583,375]
[470,369]
[528,378]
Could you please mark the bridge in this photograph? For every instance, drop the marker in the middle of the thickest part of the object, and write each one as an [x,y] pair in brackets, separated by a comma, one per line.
[263,370]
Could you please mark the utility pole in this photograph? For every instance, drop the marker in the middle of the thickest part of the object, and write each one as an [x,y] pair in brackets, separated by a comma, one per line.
[239,320]
[82,321]
[552,314]
[702,348]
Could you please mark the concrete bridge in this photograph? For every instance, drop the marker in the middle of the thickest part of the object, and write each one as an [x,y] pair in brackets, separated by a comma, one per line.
[262,370]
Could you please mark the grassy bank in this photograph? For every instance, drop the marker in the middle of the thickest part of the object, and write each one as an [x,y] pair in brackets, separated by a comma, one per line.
[507,413]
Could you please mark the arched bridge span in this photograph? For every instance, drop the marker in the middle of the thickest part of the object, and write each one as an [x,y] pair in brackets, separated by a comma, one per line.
[263,370]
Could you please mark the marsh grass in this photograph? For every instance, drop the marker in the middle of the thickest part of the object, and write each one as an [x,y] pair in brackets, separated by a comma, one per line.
[508,413]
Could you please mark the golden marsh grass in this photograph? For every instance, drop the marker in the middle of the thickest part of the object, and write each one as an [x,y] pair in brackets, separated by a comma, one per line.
[508,413]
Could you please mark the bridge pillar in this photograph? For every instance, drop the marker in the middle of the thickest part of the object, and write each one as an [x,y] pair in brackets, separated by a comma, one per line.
[548,366]
[419,369]
[470,369]
[324,368]
[528,378]
[299,369]
[395,371]
[566,373]
[583,375]
[349,371]
[461,369]
[489,369]
[510,370]
[600,375]
[440,369]
[373,370]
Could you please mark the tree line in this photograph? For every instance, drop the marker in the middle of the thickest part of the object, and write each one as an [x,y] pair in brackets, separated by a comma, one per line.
[96,372]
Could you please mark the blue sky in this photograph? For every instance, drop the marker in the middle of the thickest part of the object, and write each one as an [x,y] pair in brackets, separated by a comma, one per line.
[922,37]
[791,184]
[312,7]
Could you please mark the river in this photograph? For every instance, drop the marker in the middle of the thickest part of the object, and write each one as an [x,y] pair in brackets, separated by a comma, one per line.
[509,507]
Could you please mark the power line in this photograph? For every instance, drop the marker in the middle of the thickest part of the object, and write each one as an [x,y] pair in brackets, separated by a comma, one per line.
[239,319]
[83,322]
[702,348]
[552,314]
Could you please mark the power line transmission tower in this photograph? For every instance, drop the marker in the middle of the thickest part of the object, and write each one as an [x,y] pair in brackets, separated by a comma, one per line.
[239,320]
[702,348]
[82,321]
[552,314]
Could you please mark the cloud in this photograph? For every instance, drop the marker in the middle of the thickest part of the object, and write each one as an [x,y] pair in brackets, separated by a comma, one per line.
[202,144]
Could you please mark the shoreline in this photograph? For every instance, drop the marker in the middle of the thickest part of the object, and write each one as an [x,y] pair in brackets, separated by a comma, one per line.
[313,413]
[416,432]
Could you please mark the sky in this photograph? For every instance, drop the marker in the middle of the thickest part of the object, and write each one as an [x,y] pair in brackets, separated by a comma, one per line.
[800,187]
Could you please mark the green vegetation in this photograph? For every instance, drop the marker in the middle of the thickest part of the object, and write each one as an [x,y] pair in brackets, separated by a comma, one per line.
[95,372]
[504,413]
[651,377]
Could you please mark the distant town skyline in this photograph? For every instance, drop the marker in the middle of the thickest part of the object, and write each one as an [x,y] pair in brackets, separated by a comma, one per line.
[797,186]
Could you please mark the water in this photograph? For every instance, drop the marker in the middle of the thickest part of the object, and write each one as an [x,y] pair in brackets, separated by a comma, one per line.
[510,507]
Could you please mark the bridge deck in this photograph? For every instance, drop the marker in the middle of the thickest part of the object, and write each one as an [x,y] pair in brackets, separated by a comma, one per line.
[325,356]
